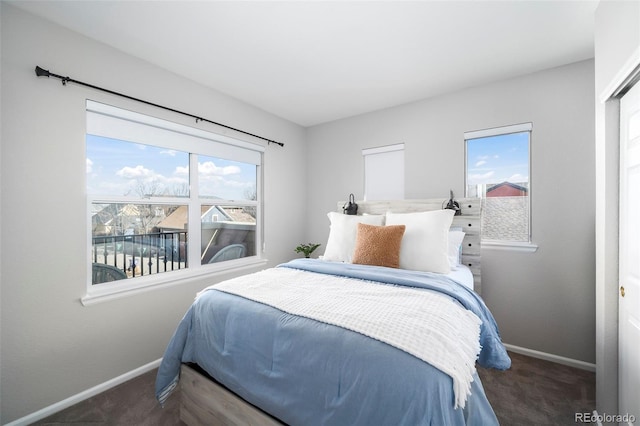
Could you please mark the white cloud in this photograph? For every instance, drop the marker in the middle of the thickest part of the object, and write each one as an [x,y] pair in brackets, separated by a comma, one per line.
[209,168]
[479,178]
[224,181]
[139,178]
[236,184]
[135,172]
[483,175]
[517,178]
[89,165]
[169,152]
[481,163]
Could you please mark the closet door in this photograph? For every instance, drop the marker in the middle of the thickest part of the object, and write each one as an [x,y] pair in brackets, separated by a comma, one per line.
[629,292]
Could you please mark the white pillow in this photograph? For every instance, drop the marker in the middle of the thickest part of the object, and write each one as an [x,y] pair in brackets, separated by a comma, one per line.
[425,245]
[342,235]
[455,245]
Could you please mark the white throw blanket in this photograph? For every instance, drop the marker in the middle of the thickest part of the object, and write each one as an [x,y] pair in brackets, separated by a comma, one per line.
[423,323]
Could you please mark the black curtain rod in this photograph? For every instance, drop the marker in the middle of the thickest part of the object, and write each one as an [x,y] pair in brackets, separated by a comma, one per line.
[40,72]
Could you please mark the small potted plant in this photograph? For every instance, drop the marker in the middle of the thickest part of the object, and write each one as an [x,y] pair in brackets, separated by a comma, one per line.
[307,249]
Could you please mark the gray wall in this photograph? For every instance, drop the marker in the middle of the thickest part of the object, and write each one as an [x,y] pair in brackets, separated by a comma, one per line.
[544,300]
[52,346]
[617,52]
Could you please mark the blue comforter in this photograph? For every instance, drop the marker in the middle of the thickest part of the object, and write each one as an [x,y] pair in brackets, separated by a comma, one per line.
[305,372]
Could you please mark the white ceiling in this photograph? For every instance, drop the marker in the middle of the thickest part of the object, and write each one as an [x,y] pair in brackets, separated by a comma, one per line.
[314,62]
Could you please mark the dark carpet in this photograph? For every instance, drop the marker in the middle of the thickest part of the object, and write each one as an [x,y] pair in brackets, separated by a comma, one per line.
[132,404]
[532,392]
[538,392]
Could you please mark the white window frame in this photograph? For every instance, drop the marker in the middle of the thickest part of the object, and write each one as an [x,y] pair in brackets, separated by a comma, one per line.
[384,172]
[119,123]
[525,246]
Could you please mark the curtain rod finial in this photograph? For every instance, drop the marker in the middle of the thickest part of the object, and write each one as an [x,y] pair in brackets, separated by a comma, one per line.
[42,72]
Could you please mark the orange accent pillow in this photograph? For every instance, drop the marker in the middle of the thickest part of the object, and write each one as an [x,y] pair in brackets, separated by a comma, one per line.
[378,245]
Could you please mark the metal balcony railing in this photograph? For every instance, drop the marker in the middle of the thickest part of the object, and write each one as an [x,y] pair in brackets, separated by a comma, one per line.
[142,254]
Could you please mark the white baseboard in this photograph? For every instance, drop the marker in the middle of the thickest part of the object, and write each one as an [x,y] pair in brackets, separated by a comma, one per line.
[551,357]
[72,400]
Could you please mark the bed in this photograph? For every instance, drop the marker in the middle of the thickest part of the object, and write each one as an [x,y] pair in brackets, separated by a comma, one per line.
[348,339]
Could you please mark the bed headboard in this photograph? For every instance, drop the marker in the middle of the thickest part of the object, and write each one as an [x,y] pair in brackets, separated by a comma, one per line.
[470,222]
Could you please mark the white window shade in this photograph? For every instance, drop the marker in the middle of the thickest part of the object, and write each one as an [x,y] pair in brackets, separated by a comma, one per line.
[116,123]
[384,172]
[504,130]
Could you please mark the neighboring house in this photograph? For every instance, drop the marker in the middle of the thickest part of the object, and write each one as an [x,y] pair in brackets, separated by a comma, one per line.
[240,214]
[221,227]
[177,220]
[226,226]
[128,220]
[102,221]
[507,189]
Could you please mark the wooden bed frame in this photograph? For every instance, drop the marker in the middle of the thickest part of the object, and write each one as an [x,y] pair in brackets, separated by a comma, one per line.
[204,401]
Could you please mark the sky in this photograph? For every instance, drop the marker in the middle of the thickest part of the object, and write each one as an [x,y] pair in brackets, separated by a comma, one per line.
[496,159]
[119,168]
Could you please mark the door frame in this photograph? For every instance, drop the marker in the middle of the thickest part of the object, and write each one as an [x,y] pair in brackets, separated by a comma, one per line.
[625,217]
[607,114]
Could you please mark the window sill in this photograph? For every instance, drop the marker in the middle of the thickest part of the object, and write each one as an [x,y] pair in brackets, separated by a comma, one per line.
[510,246]
[100,293]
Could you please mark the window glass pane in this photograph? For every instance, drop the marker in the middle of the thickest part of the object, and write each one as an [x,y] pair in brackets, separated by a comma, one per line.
[226,179]
[498,172]
[131,240]
[147,179]
[126,169]
[228,232]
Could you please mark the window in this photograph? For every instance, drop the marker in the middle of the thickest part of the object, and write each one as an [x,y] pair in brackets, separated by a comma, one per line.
[384,172]
[165,197]
[497,170]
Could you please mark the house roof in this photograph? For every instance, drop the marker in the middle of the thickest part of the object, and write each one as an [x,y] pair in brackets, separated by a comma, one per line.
[512,185]
[178,218]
